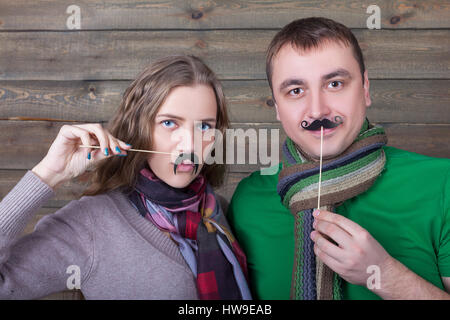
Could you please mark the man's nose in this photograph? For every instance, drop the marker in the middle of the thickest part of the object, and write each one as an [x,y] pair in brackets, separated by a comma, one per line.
[318,107]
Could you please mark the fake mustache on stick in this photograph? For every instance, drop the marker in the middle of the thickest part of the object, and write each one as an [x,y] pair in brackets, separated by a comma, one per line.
[183,156]
[325,123]
[186,156]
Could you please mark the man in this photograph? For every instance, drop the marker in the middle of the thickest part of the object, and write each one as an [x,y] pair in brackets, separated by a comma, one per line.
[389,234]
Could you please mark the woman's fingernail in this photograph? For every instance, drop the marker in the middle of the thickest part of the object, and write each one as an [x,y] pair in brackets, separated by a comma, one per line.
[316,212]
[89,156]
[106,152]
[122,155]
[128,144]
[118,149]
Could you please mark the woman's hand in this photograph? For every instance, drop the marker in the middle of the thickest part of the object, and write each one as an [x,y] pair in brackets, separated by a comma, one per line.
[65,159]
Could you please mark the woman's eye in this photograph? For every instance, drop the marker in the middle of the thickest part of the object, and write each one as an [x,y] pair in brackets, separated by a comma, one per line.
[204,126]
[335,84]
[296,91]
[168,123]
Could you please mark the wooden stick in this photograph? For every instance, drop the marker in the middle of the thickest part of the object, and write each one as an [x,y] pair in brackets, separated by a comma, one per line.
[320,168]
[37,119]
[136,150]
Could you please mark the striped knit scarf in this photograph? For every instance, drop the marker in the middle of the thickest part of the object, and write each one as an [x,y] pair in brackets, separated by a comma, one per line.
[343,177]
[193,218]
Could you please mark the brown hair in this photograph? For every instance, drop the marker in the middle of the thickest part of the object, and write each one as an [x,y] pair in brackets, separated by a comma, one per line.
[312,32]
[134,119]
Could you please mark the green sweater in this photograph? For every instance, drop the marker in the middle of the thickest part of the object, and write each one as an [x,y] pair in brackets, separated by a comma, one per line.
[407,210]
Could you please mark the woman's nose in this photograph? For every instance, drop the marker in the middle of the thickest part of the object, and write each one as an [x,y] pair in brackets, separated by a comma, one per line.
[184,140]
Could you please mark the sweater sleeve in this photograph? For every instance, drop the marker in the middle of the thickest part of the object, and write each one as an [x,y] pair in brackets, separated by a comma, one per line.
[46,260]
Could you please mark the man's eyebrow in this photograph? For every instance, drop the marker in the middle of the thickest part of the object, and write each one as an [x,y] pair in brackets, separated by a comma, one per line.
[300,82]
[338,73]
[291,82]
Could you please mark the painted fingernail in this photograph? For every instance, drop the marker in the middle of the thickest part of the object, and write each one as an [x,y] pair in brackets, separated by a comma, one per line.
[89,156]
[316,212]
[122,155]
[128,144]
[106,152]
[118,149]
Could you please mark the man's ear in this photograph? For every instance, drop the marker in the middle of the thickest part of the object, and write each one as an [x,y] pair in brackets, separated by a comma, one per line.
[276,108]
[367,89]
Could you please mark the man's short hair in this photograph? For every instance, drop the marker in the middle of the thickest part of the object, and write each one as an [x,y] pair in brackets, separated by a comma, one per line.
[304,34]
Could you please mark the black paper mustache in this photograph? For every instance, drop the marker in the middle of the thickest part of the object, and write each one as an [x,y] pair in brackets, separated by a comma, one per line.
[186,156]
[325,123]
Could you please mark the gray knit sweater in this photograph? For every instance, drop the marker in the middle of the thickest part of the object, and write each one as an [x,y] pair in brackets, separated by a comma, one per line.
[120,255]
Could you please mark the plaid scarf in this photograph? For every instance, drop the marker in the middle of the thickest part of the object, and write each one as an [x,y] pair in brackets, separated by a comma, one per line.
[343,177]
[193,218]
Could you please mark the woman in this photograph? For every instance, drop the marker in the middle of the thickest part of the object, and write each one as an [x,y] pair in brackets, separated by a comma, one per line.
[148,226]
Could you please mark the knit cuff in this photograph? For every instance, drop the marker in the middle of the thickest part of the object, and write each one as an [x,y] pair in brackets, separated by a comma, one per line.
[19,205]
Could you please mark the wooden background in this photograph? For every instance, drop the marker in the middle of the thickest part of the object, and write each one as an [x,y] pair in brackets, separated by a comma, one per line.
[48,71]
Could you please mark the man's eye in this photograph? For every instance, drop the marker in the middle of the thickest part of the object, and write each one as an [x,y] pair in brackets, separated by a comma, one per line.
[335,84]
[168,123]
[296,91]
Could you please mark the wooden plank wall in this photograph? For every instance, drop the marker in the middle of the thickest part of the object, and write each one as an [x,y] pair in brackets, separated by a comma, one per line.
[48,71]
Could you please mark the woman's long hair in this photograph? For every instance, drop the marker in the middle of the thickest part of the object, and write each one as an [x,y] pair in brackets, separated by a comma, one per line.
[134,120]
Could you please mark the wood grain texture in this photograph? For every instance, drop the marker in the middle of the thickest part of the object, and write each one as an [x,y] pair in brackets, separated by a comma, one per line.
[224,14]
[232,54]
[405,101]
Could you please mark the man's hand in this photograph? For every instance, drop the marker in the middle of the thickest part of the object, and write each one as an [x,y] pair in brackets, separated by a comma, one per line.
[354,249]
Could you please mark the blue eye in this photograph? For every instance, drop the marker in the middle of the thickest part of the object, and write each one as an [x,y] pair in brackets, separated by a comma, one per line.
[204,126]
[168,123]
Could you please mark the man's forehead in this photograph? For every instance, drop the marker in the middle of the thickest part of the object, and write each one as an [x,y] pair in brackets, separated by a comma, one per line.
[323,46]
[326,57]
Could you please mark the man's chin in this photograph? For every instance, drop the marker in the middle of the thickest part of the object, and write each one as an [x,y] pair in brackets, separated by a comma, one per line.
[327,153]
